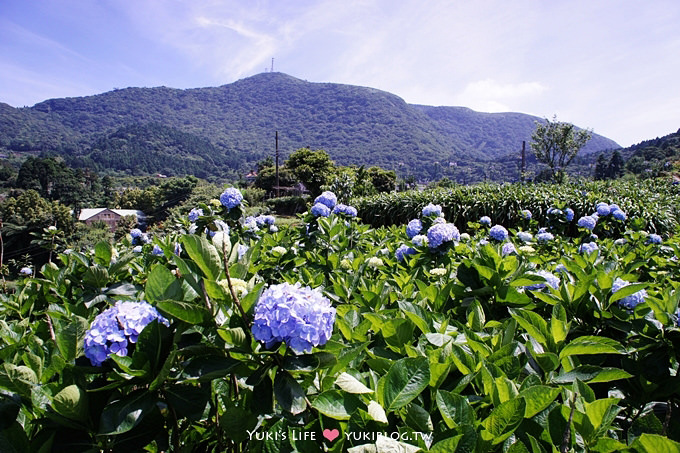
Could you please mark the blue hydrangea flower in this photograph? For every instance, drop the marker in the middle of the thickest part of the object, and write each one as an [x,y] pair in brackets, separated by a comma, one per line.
[526,214]
[569,214]
[327,198]
[242,249]
[403,251]
[320,210]
[545,237]
[135,233]
[587,222]
[524,236]
[508,248]
[113,330]
[194,214]
[614,207]
[419,240]
[485,220]
[441,233]
[26,271]
[413,228]
[561,268]
[432,210]
[137,249]
[619,214]
[588,247]
[543,230]
[178,249]
[157,250]
[654,239]
[299,316]
[602,209]
[344,209]
[231,198]
[498,232]
[554,211]
[263,220]
[550,280]
[144,238]
[629,302]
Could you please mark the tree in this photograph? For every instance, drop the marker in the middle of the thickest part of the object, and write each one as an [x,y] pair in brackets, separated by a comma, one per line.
[615,167]
[312,168]
[383,180]
[556,144]
[600,168]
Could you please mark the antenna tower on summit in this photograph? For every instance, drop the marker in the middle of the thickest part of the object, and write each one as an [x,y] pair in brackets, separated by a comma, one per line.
[272,70]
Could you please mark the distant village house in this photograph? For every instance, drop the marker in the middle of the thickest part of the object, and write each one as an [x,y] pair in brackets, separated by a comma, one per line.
[109,216]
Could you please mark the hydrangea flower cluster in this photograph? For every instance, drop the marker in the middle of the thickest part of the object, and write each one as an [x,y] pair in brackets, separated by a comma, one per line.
[240,286]
[413,228]
[113,330]
[135,233]
[654,239]
[403,251]
[299,316]
[278,250]
[263,220]
[320,210]
[525,214]
[442,233]
[525,236]
[194,214]
[588,247]
[374,262]
[420,240]
[550,280]
[242,249]
[328,199]
[602,209]
[631,301]
[231,198]
[588,222]
[508,248]
[498,232]
[157,250]
[569,214]
[432,210]
[544,236]
[485,220]
[26,271]
[349,211]
[438,271]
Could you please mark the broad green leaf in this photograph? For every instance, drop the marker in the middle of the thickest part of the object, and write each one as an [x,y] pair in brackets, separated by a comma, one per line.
[71,402]
[404,382]
[538,398]
[102,253]
[162,284]
[626,291]
[532,323]
[591,374]
[504,419]
[19,379]
[69,334]
[350,384]
[376,412]
[418,418]
[209,367]
[204,254]
[289,394]
[188,401]
[336,404]
[591,345]
[189,312]
[455,409]
[559,327]
[654,443]
[123,415]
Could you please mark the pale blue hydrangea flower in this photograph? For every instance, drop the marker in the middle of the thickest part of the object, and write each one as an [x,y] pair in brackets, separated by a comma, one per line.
[654,239]
[550,280]
[320,210]
[273,228]
[602,209]
[498,232]
[328,199]
[554,211]
[157,250]
[561,268]
[113,330]
[242,249]
[137,249]
[144,238]
[483,242]
[419,240]
[263,220]
[413,228]
[26,271]
[135,233]
[299,316]
[629,302]
[620,241]
[588,247]
[344,209]
[619,214]
[524,236]
[545,237]
[178,249]
[526,214]
[485,220]
[432,210]
[587,222]
[403,251]
[438,220]
[231,198]
[508,248]
[569,214]
[442,233]
[194,214]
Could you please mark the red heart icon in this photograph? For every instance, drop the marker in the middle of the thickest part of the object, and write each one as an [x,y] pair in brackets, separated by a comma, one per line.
[331,434]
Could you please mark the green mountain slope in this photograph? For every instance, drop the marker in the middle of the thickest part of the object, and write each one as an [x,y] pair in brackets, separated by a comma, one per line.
[234,124]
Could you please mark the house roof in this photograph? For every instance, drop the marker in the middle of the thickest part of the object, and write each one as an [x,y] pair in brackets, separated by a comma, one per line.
[91,212]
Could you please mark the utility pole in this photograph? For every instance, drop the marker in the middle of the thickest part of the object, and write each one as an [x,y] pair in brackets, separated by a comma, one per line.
[276,138]
[272,70]
[523,169]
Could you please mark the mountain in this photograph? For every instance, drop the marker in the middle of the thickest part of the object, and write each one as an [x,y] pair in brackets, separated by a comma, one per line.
[223,130]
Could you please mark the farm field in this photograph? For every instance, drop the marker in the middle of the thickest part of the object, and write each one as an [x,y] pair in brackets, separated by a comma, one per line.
[507,319]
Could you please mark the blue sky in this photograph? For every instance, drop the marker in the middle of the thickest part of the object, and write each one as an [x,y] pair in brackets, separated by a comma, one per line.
[609,65]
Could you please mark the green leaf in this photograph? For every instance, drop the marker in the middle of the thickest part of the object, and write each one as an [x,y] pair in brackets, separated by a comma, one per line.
[538,398]
[418,418]
[591,345]
[208,367]
[504,419]
[204,254]
[96,277]
[336,404]
[376,412]
[9,410]
[559,327]
[404,381]
[188,401]
[289,394]
[626,291]
[189,312]
[71,402]
[123,415]
[654,443]
[455,409]
[532,323]
[103,253]
[591,374]
[162,284]
[350,384]
[19,379]
[69,334]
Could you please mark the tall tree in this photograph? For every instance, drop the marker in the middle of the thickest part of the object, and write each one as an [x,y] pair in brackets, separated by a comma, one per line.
[312,168]
[600,168]
[615,166]
[556,144]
